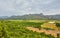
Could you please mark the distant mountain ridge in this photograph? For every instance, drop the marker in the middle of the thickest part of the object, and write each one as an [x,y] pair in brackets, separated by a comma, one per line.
[40,16]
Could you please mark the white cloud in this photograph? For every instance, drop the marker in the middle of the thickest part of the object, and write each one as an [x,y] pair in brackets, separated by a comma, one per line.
[29,6]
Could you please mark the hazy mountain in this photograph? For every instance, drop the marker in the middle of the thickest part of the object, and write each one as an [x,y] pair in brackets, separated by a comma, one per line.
[34,16]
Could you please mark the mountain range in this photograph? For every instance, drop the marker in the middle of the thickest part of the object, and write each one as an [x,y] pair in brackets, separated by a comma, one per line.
[40,16]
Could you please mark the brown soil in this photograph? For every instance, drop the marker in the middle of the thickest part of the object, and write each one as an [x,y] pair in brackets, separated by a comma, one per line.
[52,32]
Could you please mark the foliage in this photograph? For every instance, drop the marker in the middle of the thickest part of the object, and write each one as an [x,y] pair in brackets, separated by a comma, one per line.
[14,29]
[58,24]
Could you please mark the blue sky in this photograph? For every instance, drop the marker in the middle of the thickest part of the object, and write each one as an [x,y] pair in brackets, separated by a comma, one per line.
[21,7]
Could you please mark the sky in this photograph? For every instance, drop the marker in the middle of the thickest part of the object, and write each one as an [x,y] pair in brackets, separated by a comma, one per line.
[21,7]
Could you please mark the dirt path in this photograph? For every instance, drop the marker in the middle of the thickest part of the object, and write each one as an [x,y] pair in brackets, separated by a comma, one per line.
[52,32]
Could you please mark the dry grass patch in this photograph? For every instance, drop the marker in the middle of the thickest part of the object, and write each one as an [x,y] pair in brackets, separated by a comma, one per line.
[50,26]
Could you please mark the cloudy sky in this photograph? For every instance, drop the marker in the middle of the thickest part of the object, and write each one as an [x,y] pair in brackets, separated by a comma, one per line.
[20,7]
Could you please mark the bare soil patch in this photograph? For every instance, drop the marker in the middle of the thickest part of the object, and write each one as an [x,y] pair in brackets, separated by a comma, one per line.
[52,32]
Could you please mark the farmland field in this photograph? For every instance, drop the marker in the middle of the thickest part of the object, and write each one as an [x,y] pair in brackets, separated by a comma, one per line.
[17,29]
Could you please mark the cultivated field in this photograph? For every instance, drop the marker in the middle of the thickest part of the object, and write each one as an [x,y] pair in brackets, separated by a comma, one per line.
[29,29]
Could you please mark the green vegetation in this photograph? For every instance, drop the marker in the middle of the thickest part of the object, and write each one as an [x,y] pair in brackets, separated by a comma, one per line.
[58,24]
[17,29]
